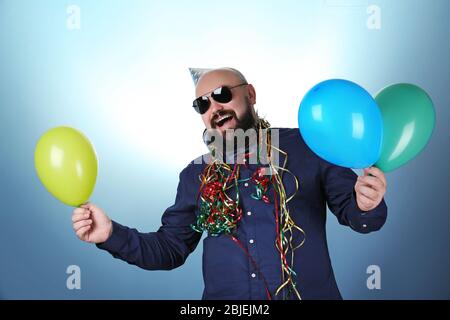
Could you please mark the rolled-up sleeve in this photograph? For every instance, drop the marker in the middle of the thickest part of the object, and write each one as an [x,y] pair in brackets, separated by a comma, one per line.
[168,247]
[338,185]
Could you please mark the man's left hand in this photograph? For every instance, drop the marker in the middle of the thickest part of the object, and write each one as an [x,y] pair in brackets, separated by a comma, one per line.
[370,189]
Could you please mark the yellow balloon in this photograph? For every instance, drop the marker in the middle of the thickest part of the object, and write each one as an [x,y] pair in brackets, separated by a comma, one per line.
[66,164]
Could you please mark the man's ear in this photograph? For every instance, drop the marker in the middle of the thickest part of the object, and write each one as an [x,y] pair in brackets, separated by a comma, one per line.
[251,94]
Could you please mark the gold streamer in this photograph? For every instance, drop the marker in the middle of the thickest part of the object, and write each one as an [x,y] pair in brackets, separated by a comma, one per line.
[286,225]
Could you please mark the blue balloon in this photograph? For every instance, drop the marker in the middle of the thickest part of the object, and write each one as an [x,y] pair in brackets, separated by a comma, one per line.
[341,123]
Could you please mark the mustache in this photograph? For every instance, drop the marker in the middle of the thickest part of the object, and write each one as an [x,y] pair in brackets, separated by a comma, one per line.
[220,114]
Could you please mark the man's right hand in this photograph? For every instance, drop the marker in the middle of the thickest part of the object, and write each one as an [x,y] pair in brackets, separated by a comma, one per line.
[91,224]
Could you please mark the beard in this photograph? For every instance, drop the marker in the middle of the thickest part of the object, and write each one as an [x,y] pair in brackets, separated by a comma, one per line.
[247,120]
[219,143]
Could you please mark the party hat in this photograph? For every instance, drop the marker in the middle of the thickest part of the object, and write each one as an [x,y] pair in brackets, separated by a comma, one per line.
[196,73]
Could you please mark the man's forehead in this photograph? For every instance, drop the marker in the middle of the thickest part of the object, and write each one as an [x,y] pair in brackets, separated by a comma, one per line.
[214,79]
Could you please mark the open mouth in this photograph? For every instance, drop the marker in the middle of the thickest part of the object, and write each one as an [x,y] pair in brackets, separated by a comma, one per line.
[222,120]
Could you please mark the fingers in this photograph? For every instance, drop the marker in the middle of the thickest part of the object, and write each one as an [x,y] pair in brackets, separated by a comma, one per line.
[91,208]
[88,206]
[80,214]
[81,233]
[81,224]
[366,191]
[366,202]
[370,188]
[374,171]
[372,182]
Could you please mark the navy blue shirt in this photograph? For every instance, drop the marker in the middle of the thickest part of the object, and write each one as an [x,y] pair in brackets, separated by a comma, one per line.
[227,271]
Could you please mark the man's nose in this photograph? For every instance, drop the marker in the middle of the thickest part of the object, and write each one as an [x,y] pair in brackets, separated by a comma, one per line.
[215,107]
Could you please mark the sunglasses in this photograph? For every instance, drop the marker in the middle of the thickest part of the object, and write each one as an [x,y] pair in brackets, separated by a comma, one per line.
[222,95]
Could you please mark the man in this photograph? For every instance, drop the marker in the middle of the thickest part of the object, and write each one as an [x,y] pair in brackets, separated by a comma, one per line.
[252,238]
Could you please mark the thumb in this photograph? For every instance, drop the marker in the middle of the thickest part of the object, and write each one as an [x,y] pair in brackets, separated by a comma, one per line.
[89,206]
[85,205]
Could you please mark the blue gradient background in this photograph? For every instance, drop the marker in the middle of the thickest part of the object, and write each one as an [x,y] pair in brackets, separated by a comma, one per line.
[122,79]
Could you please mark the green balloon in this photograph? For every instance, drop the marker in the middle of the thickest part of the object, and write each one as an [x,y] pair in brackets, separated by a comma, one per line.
[66,164]
[409,119]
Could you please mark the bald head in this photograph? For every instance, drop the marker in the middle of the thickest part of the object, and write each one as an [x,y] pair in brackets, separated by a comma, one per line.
[218,77]
[237,113]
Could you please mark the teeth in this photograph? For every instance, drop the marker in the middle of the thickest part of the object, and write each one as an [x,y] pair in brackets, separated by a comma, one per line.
[222,118]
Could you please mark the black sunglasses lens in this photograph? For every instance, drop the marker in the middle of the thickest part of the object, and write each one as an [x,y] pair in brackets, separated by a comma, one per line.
[201,104]
[222,95]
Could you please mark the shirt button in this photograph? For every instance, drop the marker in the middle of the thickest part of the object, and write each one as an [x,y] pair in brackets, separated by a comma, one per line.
[253,275]
[246,184]
[364,225]
[249,213]
[251,241]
